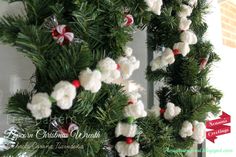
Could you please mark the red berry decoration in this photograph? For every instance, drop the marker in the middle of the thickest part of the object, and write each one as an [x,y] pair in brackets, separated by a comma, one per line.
[118,67]
[76,83]
[176,52]
[62,34]
[129,20]
[130,102]
[203,63]
[129,140]
[162,111]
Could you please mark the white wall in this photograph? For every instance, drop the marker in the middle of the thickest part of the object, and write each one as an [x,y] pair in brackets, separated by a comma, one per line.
[15,69]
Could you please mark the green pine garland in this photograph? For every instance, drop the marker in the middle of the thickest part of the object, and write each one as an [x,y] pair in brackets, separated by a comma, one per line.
[98,25]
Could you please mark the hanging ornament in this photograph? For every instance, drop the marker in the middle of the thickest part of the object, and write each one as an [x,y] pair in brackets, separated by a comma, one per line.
[109,148]
[50,22]
[129,20]
[65,131]
[203,62]
[72,128]
[62,131]
[62,34]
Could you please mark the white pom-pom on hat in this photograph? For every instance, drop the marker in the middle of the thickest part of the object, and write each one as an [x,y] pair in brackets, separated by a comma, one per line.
[188,37]
[91,80]
[171,111]
[186,130]
[135,110]
[185,11]
[108,69]
[182,47]
[184,23]
[40,106]
[125,149]
[125,129]
[154,6]
[127,65]
[199,132]
[64,93]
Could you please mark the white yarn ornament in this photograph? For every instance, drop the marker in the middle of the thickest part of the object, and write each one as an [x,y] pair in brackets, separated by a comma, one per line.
[91,80]
[125,129]
[125,149]
[128,51]
[199,132]
[171,111]
[168,57]
[156,63]
[184,23]
[154,6]
[40,106]
[185,11]
[165,59]
[135,110]
[155,111]
[128,64]
[186,130]
[64,93]
[108,69]
[182,47]
[188,37]
[132,90]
